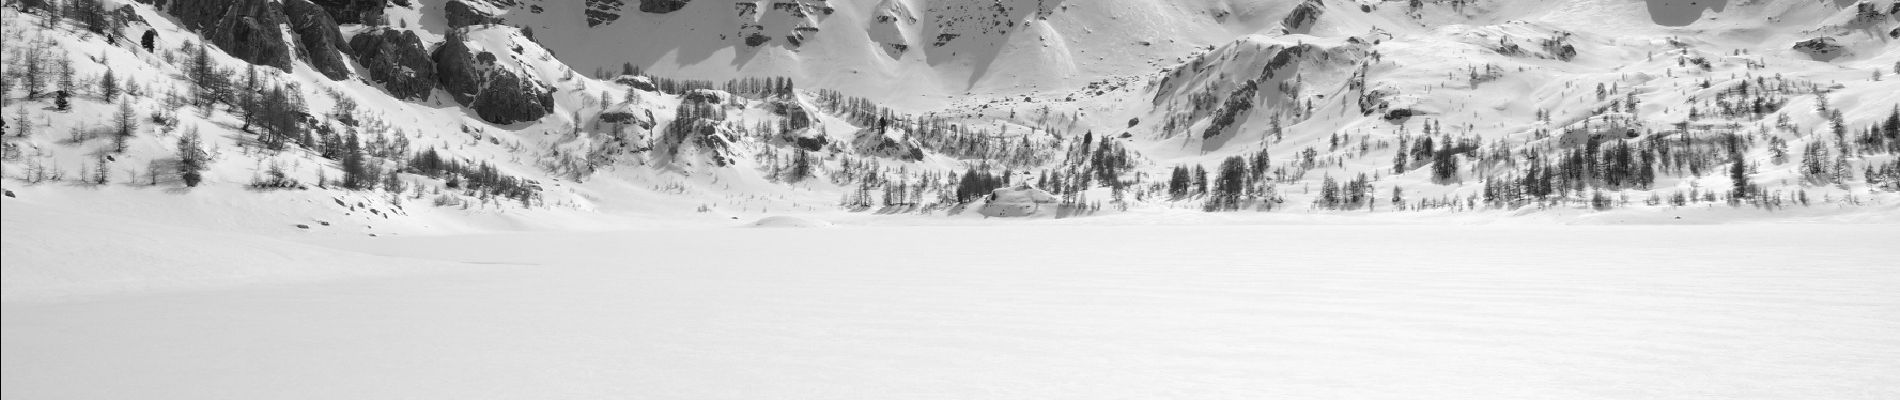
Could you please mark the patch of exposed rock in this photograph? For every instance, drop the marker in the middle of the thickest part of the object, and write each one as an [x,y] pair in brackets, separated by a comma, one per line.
[396,59]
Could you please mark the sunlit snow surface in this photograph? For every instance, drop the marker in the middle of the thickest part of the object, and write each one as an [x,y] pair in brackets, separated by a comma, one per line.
[1047,312]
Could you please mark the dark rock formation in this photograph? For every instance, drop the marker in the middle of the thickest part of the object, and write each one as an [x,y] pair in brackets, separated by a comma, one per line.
[1398,115]
[247,29]
[707,96]
[319,44]
[637,82]
[872,142]
[602,12]
[796,116]
[396,59]
[662,6]
[128,16]
[1303,16]
[698,125]
[756,39]
[497,94]
[627,113]
[812,143]
[365,12]
[1821,48]
[461,14]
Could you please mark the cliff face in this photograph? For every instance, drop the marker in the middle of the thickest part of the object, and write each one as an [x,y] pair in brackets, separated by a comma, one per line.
[396,59]
[318,42]
[253,31]
[250,30]
[478,78]
[365,12]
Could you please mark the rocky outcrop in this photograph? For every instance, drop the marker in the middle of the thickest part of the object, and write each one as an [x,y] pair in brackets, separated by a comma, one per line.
[364,12]
[318,42]
[1399,115]
[128,16]
[1304,16]
[250,30]
[707,96]
[698,128]
[873,142]
[628,114]
[796,116]
[637,82]
[396,59]
[1821,48]
[460,14]
[478,79]
[602,12]
[662,6]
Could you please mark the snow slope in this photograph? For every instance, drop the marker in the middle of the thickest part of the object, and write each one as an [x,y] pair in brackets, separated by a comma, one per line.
[59,253]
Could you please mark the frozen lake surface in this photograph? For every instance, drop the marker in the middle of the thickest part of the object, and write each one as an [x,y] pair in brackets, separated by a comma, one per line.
[1046,312]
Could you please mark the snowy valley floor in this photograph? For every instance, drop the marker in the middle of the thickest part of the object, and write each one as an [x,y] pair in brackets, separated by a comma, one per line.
[995,312]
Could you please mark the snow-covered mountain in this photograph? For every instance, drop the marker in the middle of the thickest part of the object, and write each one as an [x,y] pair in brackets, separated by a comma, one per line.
[392,116]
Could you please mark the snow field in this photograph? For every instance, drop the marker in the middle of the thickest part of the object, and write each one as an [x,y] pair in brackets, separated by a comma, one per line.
[1322,312]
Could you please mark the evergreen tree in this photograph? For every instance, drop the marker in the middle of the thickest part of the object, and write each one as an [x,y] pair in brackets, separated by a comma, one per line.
[60,102]
[355,166]
[1200,180]
[1179,183]
[1738,173]
[108,85]
[92,14]
[148,40]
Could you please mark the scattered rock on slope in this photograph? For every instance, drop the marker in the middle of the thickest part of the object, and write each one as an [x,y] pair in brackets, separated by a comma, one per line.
[396,59]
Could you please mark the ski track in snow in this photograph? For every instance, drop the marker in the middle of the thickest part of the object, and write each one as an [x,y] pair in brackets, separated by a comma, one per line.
[1313,312]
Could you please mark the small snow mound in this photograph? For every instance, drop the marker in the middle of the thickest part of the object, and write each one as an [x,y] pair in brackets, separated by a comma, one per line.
[782,221]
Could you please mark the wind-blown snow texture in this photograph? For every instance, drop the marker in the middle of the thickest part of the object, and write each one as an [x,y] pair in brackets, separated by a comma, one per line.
[1321,312]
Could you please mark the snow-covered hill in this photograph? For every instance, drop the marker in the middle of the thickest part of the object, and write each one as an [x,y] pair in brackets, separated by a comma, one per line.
[411,116]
